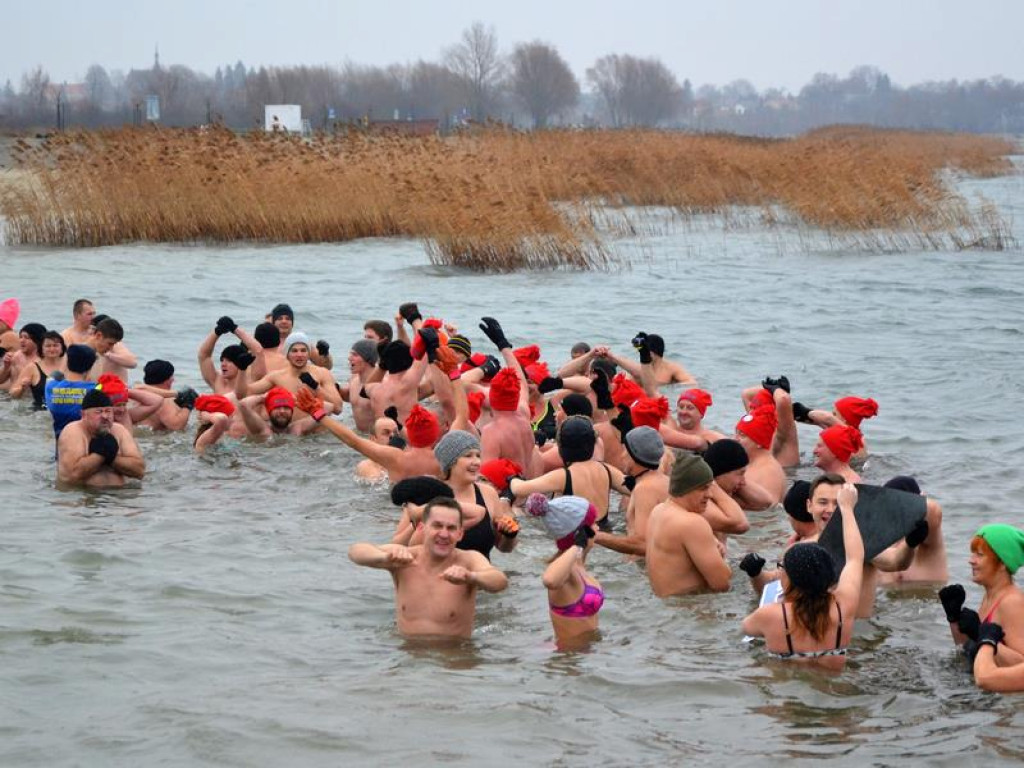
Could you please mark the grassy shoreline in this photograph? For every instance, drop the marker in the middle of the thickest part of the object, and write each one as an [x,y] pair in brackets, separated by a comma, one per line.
[492,201]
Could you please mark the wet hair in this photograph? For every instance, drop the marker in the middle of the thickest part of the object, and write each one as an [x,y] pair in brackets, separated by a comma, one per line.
[109,328]
[579,348]
[605,365]
[577,405]
[810,610]
[442,501]
[80,306]
[268,335]
[656,344]
[380,327]
[829,478]
[54,336]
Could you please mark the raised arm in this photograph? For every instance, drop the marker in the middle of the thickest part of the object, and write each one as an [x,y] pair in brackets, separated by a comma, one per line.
[253,422]
[848,589]
[205,357]
[119,354]
[387,557]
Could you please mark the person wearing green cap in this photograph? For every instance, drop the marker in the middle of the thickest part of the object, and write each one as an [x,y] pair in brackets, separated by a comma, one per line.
[997,552]
[683,555]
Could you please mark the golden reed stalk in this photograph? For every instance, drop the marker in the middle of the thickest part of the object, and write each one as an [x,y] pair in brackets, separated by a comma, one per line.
[495,200]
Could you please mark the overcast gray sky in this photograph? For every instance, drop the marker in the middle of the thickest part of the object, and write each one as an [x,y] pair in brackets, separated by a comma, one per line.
[769,42]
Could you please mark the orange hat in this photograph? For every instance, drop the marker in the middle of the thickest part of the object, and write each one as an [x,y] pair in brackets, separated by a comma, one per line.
[759,425]
[215,404]
[475,400]
[649,411]
[504,392]
[855,409]
[698,397]
[843,440]
[113,387]
[625,391]
[537,372]
[498,471]
[527,355]
[422,427]
[279,397]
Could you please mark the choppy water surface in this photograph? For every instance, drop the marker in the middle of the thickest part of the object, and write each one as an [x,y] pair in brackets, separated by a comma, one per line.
[211,616]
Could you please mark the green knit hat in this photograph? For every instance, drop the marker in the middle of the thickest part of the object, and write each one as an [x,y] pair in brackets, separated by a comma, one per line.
[1007,542]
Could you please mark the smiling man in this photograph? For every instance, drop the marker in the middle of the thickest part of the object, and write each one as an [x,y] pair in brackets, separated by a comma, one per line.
[435,583]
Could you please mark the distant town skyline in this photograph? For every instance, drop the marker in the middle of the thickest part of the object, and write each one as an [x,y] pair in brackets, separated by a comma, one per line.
[771,45]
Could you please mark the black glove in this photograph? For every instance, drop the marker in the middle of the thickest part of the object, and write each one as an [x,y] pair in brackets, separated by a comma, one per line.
[969,623]
[802,413]
[307,378]
[431,341]
[604,394]
[186,398]
[990,633]
[323,348]
[630,482]
[752,564]
[507,495]
[952,597]
[106,446]
[783,382]
[918,533]
[397,441]
[772,384]
[970,648]
[623,422]
[583,534]
[492,330]
[640,344]
[539,437]
[392,413]
[244,359]
[490,367]
[410,312]
[225,325]
[549,384]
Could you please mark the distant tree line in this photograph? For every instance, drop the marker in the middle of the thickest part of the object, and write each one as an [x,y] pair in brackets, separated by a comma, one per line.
[530,87]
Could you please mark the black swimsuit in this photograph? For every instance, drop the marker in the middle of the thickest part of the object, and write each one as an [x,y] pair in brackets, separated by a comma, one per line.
[480,538]
[39,390]
[604,524]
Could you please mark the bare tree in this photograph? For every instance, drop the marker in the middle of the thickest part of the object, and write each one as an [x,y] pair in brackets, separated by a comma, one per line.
[542,81]
[636,91]
[99,89]
[476,62]
[35,88]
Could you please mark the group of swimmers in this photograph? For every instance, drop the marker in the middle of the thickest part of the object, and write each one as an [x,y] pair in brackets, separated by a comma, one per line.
[475,441]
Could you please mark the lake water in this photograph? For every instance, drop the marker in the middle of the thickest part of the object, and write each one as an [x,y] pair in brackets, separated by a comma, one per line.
[210,616]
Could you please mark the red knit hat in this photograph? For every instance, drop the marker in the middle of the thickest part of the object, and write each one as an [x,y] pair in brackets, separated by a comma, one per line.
[537,372]
[843,440]
[504,392]
[113,387]
[422,427]
[498,471]
[475,401]
[761,398]
[278,397]
[698,397]
[759,425]
[855,409]
[625,391]
[527,355]
[215,404]
[649,411]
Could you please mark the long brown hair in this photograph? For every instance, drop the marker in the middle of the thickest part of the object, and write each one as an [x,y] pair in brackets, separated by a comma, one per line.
[810,611]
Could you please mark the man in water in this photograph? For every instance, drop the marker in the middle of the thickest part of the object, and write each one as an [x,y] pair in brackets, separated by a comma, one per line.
[384,429]
[279,405]
[64,396]
[9,311]
[300,372]
[435,583]
[80,330]
[683,555]
[362,361]
[755,432]
[113,355]
[95,451]
[835,446]
[173,413]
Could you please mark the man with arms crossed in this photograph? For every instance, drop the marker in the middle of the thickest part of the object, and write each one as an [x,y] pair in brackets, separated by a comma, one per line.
[435,583]
[95,451]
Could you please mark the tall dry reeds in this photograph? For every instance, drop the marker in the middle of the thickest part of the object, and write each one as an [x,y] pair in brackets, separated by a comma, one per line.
[494,201]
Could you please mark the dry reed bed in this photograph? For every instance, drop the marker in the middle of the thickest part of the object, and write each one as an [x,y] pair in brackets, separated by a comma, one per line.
[493,201]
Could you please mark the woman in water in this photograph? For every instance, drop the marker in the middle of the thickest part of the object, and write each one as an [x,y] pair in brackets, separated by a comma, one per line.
[574,596]
[997,551]
[33,377]
[814,623]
